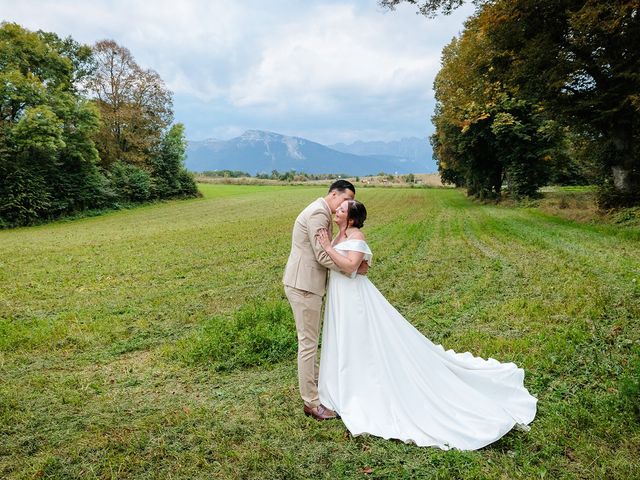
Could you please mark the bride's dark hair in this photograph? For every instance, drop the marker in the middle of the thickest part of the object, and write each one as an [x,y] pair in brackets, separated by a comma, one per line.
[357,213]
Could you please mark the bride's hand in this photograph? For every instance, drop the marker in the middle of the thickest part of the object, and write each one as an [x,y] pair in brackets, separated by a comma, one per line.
[323,238]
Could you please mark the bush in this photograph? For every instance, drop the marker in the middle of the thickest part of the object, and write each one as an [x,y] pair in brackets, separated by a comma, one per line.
[411,178]
[24,196]
[130,183]
[256,335]
[187,184]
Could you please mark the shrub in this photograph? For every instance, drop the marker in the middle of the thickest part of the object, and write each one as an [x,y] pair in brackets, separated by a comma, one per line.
[187,184]
[24,195]
[130,182]
[410,178]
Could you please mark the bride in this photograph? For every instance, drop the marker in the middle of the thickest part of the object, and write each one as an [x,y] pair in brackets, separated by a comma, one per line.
[384,378]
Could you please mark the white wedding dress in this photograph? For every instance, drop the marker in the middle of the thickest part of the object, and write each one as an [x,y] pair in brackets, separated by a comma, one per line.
[386,379]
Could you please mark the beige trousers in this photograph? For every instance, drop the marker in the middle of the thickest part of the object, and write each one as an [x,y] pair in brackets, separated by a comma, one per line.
[307,309]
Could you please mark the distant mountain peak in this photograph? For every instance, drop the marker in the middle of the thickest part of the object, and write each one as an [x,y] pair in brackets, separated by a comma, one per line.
[263,151]
[261,136]
[291,143]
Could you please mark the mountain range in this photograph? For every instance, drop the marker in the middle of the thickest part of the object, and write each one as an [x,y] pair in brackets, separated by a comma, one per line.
[257,151]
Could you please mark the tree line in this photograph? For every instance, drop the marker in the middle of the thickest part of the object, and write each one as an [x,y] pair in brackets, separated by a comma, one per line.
[534,92]
[288,176]
[82,128]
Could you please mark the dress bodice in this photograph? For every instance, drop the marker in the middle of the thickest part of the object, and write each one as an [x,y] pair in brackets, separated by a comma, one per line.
[355,245]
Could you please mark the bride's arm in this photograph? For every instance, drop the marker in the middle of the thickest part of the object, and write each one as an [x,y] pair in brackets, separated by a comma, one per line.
[350,263]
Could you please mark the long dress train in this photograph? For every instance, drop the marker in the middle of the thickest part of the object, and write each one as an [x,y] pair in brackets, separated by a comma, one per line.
[386,379]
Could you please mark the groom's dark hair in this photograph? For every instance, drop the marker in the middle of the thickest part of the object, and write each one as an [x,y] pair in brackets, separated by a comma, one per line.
[342,185]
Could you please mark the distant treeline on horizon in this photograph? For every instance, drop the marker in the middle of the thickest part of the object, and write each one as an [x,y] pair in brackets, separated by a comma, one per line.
[293,176]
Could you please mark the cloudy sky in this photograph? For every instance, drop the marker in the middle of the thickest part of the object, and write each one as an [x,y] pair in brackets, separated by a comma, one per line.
[327,70]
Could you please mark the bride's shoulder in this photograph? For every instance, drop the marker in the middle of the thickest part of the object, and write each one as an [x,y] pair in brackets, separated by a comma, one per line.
[356,234]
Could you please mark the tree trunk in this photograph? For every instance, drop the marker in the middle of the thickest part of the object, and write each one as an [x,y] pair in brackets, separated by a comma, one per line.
[625,167]
[622,179]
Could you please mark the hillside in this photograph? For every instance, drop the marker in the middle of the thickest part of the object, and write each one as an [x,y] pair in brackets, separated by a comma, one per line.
[257,151]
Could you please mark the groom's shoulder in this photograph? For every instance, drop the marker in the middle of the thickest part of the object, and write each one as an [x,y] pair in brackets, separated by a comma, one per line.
[314,206]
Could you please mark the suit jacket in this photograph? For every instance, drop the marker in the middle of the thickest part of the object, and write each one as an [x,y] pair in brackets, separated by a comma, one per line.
[308,263]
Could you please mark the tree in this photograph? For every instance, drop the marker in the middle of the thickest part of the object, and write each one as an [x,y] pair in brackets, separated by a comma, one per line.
[49,163]
[485,135]
[428,8]
[47,157]
[579,60]
[135,106]
[587,53]
[81,58]
[168,170]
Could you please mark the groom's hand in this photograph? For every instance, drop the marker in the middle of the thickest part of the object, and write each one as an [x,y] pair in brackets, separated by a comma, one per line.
[363,268]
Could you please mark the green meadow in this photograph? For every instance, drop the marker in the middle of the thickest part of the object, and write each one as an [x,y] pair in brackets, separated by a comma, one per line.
[156,342]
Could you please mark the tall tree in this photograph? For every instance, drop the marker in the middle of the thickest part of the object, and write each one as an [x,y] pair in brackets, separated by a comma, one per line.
[486,135]
[170,176]
[47,157]
[586,54]
[579,59]
[135,106]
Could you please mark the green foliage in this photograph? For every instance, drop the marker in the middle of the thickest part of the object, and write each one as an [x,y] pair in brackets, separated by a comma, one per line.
[38,133]
[48,156]
[573,65]
[187,182]
[225,173]
[258,334]
[46,151]
[24,195]
[32,62]
[486,135]
[131,183]
[578,59]
[81,57]
[170,177]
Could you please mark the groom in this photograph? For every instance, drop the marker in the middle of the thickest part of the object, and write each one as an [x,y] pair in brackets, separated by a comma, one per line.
[305,278]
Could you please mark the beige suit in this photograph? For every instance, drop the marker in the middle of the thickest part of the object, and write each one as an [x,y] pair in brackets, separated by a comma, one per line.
[305,278]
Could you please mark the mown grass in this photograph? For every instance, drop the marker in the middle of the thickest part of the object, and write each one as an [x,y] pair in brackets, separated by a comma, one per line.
[258,334]
[118,360]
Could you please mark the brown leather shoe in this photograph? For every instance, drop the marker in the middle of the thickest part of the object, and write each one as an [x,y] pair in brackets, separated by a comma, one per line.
[320,413]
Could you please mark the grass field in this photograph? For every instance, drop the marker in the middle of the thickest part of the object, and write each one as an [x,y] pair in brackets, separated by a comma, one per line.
[156,343]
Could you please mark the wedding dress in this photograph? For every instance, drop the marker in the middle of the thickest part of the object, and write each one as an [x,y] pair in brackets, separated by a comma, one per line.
[386,379]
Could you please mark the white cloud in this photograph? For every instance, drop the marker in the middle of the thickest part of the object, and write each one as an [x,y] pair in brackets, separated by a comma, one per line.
[330,50]
[336,68]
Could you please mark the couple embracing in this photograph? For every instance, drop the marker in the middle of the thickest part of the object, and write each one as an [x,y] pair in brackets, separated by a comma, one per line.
[378,373]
